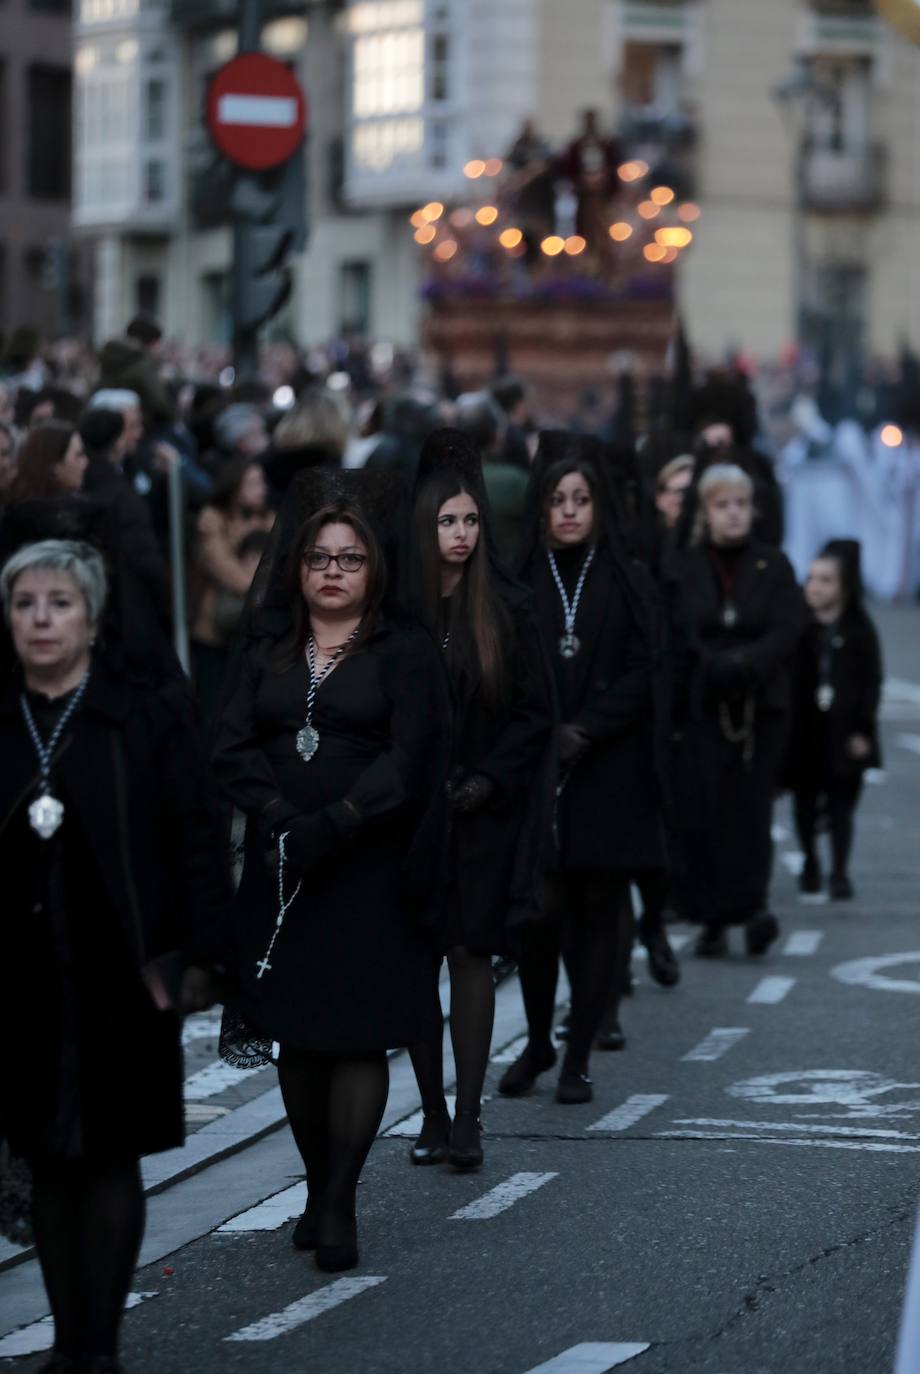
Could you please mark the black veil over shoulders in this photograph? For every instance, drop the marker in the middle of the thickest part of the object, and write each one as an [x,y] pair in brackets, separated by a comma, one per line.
[453,451]
[133,640]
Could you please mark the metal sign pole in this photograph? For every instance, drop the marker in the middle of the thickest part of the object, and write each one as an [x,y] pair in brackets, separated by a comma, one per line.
[245,341]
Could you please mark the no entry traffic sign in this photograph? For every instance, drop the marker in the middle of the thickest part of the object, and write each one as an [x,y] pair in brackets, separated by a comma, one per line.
[257,112]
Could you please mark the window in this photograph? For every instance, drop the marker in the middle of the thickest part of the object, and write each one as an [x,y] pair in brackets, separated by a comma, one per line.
[387,82]
[652,76]
[49,123]
[154,182]
[147,295]
[355,298]
[51,6]
[4,124]
[439,50]
[155,108]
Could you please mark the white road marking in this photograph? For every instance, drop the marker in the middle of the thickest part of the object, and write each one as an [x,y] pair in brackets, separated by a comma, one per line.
[910,742]
[857,1090]
[261,111]
[813,898]
[871,1147]
[500,1198]
[860,1132]
[270,1214]
[793,860]
[593,1357]
[631,1111]
[679,942]
[411,1126]
[771,990]
[875,777]
[39,1336]
[716,1043]
[866,973]
[213,1079]
[305,1309]
[804,942]
[203,1025]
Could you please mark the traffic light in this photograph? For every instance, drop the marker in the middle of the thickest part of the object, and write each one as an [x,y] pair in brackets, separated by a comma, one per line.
[270,223]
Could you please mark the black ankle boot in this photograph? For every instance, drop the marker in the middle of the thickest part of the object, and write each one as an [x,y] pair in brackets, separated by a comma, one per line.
[431,1145]
[466,1141]
[525,1071]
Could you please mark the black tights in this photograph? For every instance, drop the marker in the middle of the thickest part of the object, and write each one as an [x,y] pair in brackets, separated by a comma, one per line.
[335,1103]
[472,1014]
[88,1217]
[840,800]
[589,921]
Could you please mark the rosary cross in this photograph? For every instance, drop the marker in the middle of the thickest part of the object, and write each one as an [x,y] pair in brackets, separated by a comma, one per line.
[263,966]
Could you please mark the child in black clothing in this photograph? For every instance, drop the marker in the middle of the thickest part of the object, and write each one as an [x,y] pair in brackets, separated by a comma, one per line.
[837,687]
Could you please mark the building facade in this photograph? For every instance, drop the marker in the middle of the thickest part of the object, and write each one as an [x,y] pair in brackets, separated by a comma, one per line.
[792,124]
[41,283]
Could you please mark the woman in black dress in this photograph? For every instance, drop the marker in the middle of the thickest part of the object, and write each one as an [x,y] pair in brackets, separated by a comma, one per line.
[738,615]
[333,744]
[503,718]
[595,611]
[837,687]
[112,886]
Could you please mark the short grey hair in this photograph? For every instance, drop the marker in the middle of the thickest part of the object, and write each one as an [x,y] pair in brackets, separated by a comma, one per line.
[723,475]
[81,562]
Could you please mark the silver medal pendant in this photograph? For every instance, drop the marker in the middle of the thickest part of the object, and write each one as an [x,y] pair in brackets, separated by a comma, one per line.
[569,645]
[825,696]
[729,616]
[307,742]
[45,815]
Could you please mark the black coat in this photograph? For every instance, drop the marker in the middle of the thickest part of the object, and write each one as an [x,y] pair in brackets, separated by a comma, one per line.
[351,967]
[731,709]
[817,746]
[716,662]
[133,880]
[608,812]
[496,850]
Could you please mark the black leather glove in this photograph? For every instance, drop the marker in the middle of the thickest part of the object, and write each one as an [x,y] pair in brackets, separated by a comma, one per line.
[573,745]
[310,840]
[469,793]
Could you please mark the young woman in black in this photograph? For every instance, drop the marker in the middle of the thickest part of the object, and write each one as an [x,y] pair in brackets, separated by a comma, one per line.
[333,744]
[503,718]
[836,694]
[738,615]
[595,612]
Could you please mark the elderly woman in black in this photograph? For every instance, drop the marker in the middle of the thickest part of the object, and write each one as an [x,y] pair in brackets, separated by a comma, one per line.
[503,718]
[108,847]
[837,687]
[596,615]
[333,744]
[738,613]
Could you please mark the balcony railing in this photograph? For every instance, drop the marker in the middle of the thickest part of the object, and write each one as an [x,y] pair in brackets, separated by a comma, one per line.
[837,180]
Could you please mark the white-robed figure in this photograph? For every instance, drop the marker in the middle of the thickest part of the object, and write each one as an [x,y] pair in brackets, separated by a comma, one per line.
[844,484]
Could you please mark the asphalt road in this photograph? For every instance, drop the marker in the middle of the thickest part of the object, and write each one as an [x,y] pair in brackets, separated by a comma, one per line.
[740,1196]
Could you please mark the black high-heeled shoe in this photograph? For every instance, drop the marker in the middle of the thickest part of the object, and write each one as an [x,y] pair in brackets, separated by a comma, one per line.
[340,1254]
[574,1086]
[431,1143]
[465,1150]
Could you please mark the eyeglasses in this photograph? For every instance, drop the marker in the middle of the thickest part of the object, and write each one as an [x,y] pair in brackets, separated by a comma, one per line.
[318,561]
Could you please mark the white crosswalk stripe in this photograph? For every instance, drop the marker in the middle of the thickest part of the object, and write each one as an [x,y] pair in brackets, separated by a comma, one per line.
[305,1309]
[500,1198]
[593,1357]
